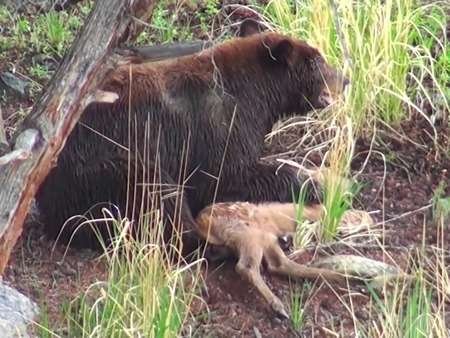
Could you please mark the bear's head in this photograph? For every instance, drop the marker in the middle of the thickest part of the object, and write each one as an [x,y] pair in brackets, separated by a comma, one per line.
[304,79]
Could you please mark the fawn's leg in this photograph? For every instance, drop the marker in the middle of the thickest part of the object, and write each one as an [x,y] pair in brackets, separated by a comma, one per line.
[277,262]
[248,266]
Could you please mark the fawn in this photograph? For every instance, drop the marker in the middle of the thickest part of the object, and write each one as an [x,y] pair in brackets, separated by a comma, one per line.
[252,233]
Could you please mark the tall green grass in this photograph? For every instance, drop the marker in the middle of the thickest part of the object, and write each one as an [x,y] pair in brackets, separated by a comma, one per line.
[388,49]
[441,207]
[412,309]
[337,188]
[147,293]
[304,230]
[150,287]
[382,45]
[396,55]
[406,313]
[297,305]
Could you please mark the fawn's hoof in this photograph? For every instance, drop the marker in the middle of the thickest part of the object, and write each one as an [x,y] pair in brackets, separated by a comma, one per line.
[278,307]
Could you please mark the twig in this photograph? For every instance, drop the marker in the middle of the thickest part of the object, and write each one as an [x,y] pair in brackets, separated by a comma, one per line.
[4,146]
[339,33]
[408,213]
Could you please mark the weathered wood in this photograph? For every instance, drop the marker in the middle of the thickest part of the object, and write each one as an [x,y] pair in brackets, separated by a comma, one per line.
[43,134]
[4,146]
[166,51]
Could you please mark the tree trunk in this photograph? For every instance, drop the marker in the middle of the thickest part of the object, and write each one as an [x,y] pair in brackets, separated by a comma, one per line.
[43,134]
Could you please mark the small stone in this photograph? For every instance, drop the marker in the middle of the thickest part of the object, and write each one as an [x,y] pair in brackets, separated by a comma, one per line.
[12,84]
[257,332]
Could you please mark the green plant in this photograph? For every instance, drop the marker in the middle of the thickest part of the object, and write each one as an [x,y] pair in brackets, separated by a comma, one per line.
[14,29]
[369,40]
[40,72]
[5,15]
[74,22]
[429,22]
[338,189]
[411,306]
[43,328]
[5,21]
[431,49]
[304,231]
[207,15]
[337,200]
[31,34]
[163,23]
[418,312]
[297,308]
[441,205]
[85,7]
[22,26]
[6,44]
[405,312]
[53,32]
[56,31]
[146,294]
[165,27]
[21,29]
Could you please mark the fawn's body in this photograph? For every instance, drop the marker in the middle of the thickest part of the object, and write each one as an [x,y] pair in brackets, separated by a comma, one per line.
[252,232]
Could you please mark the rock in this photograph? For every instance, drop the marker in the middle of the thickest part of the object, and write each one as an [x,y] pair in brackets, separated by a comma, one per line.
[257,332]
[12,84]
[16,312]
[389,281]
[379,275]
[357,265]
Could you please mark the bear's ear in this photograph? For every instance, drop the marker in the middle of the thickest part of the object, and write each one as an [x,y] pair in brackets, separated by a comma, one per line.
[280,51]
[249,27]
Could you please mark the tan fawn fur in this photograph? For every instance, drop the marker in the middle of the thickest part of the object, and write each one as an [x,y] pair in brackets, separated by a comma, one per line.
[252,232]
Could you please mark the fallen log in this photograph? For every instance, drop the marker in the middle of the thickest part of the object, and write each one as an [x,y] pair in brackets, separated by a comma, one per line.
[42,136]
[166,51]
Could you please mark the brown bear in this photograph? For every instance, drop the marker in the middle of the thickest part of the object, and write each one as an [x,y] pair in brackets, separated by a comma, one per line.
[190,129]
